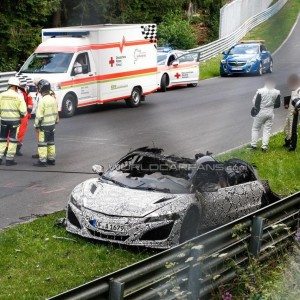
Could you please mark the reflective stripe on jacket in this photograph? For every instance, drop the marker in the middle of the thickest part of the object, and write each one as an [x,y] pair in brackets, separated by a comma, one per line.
[12,106]
[47,112]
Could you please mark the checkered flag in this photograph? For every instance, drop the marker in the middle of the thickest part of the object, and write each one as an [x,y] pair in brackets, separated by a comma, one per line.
[24,80]
[149,32]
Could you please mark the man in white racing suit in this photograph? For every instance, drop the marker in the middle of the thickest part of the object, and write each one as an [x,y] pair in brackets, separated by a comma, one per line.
[269,99]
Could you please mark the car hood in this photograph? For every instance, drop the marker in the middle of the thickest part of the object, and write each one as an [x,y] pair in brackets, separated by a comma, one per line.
[240,57]
[114,200]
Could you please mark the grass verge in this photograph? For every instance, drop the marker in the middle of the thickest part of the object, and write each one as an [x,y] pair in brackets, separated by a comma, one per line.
[39,260]
[280,167]
[274,31]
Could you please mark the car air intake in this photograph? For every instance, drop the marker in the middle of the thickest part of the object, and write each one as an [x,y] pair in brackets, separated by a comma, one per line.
[108,237]
[72,218]
[158,233]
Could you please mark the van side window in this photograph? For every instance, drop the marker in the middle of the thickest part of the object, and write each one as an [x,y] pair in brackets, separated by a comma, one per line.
[82,64]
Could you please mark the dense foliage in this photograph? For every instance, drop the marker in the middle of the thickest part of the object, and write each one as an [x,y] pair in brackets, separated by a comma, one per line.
[21,21]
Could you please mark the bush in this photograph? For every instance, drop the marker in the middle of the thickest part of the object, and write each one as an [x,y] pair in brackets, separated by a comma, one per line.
[177,33]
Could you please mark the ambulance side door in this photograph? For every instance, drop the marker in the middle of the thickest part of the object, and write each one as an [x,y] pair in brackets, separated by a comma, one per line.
[84,78]
[186,68]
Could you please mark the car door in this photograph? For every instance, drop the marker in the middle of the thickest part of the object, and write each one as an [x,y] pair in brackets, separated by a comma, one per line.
[229,203]
[84,79]
[185,68]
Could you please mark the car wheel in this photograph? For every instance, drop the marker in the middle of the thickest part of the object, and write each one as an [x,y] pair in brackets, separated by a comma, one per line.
[260,70]
[223,75]
[192,85]
[69,106]
[270,70]
[164,83]
[135,98]
[190,225]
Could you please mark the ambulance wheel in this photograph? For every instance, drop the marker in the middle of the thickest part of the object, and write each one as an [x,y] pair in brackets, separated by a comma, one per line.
[164,82]
[68,106]
[135,98]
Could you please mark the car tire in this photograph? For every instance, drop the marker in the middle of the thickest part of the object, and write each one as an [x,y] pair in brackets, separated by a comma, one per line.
[164,83]
[69,106]
[190,224]
[223,75]
[192,85]
[260,70]
[270,70]
[135,98]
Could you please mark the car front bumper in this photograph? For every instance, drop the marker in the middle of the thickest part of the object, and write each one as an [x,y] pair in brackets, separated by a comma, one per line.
[137,231]
[246,68]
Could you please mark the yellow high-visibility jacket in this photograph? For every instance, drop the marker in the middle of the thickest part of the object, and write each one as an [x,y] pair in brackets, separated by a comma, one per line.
[12,106]
[47,112]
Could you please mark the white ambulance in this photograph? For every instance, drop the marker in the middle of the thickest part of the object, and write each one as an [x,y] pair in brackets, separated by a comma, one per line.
[96,64]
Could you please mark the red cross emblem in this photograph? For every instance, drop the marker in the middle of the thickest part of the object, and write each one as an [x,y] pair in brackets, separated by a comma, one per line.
[111,62]
[177,75]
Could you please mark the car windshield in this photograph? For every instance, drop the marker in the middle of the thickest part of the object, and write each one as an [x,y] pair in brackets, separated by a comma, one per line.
[47,63]
[244,49]
[149,172]
[161,58]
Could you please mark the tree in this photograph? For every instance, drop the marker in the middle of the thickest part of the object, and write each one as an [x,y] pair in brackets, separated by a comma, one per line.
[21,22]
[176,32]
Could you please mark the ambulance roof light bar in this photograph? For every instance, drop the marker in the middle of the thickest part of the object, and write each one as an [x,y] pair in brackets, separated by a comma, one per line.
[66,33]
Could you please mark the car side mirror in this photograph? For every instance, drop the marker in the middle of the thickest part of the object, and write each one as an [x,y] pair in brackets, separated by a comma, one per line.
[98,169]
[224,52]
[175,63]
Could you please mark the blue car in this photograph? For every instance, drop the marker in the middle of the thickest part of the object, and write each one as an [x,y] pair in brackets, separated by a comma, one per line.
[250,57]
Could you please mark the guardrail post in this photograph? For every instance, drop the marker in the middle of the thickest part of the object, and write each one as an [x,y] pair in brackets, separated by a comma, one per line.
[194,276]
[256,235]
[116,290]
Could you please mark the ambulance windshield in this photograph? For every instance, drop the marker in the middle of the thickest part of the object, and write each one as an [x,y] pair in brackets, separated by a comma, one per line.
[47,63]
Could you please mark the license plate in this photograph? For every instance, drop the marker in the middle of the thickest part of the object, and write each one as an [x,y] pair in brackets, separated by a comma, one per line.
[107,226]
[236,68]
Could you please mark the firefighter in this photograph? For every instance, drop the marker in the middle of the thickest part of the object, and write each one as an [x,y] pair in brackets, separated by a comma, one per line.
[24,121]
[294,84]
[12,110]
[45,120]
[269,99]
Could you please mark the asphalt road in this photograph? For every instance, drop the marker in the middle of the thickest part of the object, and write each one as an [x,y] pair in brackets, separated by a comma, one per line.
[215,116]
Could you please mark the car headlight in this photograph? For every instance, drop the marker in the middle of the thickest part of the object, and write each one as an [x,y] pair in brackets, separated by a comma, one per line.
[158,218]
[55,86]
[252,60]
[76,202]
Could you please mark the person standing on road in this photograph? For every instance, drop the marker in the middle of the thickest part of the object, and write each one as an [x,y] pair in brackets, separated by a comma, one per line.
[12,110]
[268,98]
[45,121]
[294,84]
[24,121]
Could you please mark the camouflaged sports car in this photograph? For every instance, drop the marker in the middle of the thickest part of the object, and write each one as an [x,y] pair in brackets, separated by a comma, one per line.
[157,201]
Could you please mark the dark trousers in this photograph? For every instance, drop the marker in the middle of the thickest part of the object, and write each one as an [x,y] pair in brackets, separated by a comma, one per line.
[294,136]
[8,139]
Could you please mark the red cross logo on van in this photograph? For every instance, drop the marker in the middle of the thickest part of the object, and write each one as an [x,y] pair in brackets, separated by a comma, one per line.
[177,75]
[111,62]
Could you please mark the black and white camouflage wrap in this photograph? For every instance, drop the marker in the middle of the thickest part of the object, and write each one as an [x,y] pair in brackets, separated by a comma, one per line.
[104,211]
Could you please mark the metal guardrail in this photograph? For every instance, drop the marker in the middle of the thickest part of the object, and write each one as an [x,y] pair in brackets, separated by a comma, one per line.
[194,269]
[214,48]
[4,79]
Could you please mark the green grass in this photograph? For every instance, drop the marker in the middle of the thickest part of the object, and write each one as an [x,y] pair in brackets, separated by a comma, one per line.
[210,68]
[280,167]
[39,260]
[274,31]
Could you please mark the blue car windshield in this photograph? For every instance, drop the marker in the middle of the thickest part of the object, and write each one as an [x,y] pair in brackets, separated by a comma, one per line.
[244,49]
